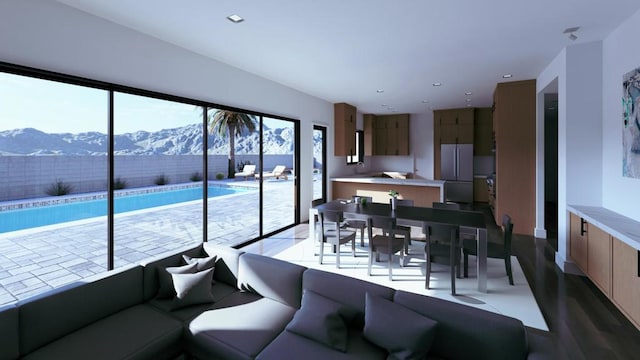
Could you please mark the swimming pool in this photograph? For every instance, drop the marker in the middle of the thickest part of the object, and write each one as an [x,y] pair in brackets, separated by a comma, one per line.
[13,220]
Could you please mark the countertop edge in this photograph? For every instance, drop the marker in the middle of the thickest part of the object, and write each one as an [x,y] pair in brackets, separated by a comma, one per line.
[407,182]
[619,226]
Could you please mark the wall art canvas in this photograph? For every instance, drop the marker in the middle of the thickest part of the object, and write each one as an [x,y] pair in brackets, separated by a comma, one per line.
[631,124]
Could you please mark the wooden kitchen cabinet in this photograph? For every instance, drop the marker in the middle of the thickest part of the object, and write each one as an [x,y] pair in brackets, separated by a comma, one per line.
[599,258]
[480,190]
[578,247]
[514,119]
[344,129]
[626,280]
[483,132]
[386,134]
[455,126]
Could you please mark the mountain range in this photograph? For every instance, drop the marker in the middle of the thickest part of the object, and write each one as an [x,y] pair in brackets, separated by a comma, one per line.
[186,140]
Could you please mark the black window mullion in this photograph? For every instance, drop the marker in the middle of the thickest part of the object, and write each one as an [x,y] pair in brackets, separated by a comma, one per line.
[205,174]
[110,189]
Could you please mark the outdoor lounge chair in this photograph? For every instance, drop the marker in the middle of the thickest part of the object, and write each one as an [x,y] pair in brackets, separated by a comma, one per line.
[278,172]
[247,171]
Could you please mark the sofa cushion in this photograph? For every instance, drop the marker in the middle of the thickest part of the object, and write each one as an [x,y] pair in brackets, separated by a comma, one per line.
[151,266]
[237,327]
[485,335]
[292,346]
[276,279]
[192,289]
[139,332]
[322,320]
[9,345]
[404,333]
[52,315]
[345,290]
[219,291]
[165,281]
[203,263]
[227,263]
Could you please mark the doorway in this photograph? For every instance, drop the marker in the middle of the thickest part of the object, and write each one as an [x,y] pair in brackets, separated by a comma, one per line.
[551,167]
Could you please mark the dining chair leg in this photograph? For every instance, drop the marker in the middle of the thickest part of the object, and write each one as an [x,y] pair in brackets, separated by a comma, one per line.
[362,237]
[428,270]
[321,251]
[507,263]
[338,256]
[466,263]
[353,247]
[370,259]
[390,265]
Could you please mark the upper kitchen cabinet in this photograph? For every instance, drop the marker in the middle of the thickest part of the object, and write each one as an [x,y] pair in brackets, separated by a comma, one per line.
[386,134]
[514,124]
[455,125]
[344,129]
[483,132]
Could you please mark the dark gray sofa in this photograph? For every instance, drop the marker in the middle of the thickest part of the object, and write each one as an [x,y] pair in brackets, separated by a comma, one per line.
[117,316]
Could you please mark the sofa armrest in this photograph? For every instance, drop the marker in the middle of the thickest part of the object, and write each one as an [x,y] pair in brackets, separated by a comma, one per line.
[9,345]
[541,344]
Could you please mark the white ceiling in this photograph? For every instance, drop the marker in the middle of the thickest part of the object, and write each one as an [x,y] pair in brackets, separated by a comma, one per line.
[345,50]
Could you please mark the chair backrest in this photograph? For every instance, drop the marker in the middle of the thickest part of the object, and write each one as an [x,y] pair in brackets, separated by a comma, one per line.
[369,199]
[331,216]
[403,202]
[279,169]
[317,202]
[447,206]
[440,232]
[507,228]
[386,223]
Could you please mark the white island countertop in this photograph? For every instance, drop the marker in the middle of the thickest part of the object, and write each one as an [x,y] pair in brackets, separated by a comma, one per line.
[389,181]
[623,228]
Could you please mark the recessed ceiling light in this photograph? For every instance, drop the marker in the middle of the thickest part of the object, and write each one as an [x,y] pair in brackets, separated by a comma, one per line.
[468,100]
[425,101]
[379,91]
[383,105]
[437,84]
[571,30]
[235,18]
[468,105]
[468,93]
[506,76]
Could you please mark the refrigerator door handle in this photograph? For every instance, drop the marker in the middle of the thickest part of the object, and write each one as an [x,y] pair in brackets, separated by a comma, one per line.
[457,162]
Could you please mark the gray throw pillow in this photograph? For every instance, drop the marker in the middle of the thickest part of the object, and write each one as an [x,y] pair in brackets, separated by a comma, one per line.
[192,289]
[322,320]
[202,263]
[404,333]
[165,282]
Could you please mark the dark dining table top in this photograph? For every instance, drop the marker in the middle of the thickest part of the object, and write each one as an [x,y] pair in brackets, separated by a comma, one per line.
[474,219]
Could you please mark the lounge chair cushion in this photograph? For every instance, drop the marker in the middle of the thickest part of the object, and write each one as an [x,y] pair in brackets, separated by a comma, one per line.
[411,336]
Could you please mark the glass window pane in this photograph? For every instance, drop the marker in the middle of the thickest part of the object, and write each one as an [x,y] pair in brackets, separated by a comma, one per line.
[157,176]
[234,216]
[53,161]
[278,174]
[318,162]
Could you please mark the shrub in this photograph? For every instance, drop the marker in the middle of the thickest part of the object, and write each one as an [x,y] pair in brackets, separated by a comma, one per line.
[196,176]
[59,188]
[219,176]
[161,180]
[119,183]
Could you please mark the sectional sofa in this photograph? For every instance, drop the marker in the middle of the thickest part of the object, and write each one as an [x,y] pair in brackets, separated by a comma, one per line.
[252,307]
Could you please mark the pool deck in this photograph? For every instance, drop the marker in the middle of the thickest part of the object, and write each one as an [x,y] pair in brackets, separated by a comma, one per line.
[36,260]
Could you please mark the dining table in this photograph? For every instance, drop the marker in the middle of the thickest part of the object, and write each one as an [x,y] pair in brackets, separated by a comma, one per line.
[470,223]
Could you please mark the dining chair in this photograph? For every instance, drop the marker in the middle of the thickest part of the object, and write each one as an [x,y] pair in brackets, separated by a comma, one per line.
[358,223]
[447,206]
[401,229]
[494,250]
[316,218]
[333,233]
[384,243]
[442,241]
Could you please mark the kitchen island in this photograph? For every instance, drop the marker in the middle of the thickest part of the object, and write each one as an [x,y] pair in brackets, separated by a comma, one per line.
[422,191]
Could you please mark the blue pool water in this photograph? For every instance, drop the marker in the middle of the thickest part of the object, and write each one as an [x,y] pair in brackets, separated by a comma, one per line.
[48,215]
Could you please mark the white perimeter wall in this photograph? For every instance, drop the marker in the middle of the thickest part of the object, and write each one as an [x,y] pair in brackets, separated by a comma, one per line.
[621,54]
[52,36]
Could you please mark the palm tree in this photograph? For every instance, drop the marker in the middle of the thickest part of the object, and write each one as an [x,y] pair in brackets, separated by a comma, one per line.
[232,124]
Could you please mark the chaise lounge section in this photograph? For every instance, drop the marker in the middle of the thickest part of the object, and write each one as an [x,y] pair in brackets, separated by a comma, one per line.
[256,307]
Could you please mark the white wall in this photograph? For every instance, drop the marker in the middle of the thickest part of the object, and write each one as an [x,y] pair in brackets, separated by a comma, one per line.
[52,36]
[621,54]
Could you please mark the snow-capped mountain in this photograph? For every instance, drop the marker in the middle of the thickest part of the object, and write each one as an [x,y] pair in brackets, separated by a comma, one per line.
[185,140]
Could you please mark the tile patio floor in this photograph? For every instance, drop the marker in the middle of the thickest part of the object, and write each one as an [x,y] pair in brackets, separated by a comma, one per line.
[36,260]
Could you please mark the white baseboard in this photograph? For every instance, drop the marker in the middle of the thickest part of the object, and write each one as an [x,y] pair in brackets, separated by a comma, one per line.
[540,233]
[567,266]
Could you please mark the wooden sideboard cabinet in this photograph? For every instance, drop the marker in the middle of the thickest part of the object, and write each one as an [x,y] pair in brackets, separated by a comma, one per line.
[599,258]
[578,241]
[344,129]
[626,280]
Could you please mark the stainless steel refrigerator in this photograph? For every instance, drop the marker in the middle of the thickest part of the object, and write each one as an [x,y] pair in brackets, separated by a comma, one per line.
[456,167]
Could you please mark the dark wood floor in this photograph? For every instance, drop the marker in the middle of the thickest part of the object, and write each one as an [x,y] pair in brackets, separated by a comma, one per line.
[584,323]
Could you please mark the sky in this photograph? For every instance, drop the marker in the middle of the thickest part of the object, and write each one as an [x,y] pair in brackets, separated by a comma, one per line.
[55,107]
